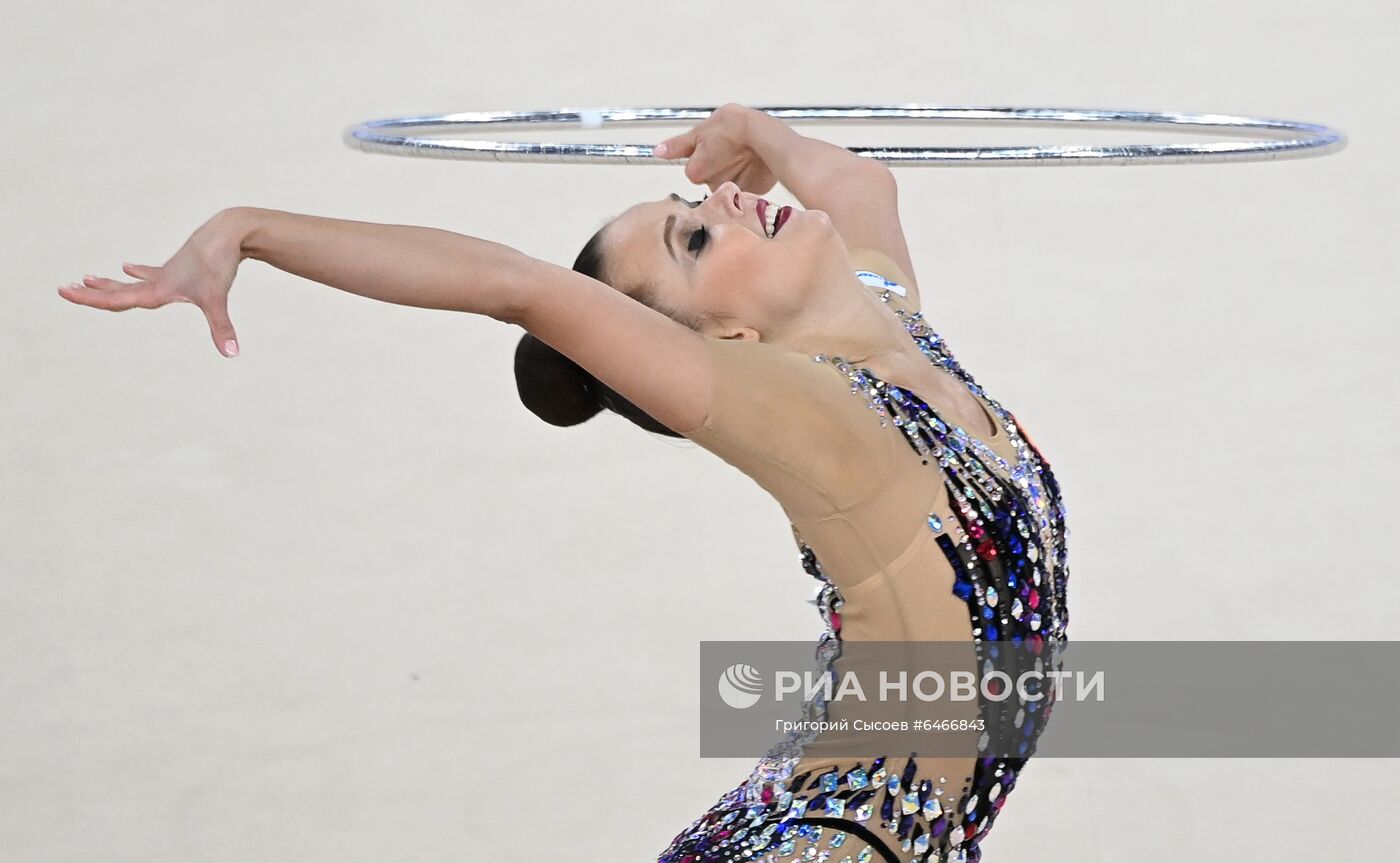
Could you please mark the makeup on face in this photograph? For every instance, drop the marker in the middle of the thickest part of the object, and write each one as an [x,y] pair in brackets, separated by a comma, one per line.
[769,225]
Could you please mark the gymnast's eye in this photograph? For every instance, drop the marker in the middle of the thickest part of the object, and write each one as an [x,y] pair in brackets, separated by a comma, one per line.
[698,238]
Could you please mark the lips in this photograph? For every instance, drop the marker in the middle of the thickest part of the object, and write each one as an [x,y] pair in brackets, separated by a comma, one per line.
[784,214]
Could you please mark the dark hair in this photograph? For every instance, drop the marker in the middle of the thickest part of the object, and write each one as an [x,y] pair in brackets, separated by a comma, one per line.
[560,391]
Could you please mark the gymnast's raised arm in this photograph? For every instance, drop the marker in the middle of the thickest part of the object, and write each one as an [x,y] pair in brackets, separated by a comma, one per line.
[601,329]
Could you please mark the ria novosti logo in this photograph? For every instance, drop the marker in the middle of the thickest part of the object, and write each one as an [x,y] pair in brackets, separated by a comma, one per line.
[740,686]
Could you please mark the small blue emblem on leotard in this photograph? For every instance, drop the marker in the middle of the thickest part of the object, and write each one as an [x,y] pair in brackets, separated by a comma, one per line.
[875,280]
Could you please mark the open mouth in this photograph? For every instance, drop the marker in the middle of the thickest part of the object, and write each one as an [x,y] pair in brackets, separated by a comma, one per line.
[780,216]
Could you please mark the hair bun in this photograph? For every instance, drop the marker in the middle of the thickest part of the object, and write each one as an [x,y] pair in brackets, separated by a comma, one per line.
[555,388]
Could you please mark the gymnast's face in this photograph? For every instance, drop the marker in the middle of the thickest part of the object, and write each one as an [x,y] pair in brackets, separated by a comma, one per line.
[713,265]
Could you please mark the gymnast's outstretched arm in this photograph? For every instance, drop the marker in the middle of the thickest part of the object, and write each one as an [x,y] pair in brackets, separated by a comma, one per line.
[600,328]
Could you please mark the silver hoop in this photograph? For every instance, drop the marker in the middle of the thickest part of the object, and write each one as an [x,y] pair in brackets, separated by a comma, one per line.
[1282,139]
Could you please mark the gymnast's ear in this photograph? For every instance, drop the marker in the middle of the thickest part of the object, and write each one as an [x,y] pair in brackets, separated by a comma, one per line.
[743,334]
[555,388]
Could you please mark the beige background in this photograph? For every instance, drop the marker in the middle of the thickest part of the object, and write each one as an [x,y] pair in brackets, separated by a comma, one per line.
[343,599]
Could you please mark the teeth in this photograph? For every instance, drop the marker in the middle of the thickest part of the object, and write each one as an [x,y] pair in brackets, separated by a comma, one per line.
[771,220]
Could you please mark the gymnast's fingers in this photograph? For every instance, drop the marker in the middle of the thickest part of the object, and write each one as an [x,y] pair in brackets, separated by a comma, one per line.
[220,327]
[717,175]
[676,147]
[141,271]
[150,295]
[757,178]
[699,169]
[110,295]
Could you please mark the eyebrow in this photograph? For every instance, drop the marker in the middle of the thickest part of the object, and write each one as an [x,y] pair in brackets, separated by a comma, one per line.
[666,229]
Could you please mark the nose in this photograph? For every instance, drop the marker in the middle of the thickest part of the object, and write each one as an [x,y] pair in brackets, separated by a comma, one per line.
[729,199]
[725,196]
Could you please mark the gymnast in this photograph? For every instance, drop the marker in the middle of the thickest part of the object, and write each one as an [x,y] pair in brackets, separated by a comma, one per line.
[791,343]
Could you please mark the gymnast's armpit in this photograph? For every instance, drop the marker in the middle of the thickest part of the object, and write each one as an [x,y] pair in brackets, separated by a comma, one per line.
[790,423]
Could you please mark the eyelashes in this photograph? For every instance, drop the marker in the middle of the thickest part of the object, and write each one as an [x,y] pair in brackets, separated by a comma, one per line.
[698,237]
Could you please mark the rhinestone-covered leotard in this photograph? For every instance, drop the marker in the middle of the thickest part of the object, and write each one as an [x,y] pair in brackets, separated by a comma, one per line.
[916,529]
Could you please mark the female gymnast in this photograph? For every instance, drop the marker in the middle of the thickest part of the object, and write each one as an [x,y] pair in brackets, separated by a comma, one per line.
[791,344]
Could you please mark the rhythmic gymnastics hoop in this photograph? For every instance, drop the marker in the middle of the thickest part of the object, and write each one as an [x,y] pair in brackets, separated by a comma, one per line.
[1283,139]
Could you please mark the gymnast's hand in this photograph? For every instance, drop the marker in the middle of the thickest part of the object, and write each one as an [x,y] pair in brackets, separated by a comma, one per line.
[201,272]
[719,150]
